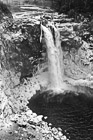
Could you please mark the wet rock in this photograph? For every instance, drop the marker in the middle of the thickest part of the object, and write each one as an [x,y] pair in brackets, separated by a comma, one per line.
[39,118]
[50,124]
[45,117]
[34,115]
[60,134]
[29,113]
[55,131]
[59,129]
[63,138]
[45,131]
[21,123]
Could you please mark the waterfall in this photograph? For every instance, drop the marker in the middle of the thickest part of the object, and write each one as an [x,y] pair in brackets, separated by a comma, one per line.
[55,58]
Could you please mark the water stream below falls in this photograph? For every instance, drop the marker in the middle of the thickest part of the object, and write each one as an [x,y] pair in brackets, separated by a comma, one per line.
[74,115]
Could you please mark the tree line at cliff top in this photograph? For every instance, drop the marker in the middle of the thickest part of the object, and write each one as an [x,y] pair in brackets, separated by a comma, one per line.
[78,6]
[4,11]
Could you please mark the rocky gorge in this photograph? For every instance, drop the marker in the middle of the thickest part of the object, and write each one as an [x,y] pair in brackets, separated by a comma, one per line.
[24,69]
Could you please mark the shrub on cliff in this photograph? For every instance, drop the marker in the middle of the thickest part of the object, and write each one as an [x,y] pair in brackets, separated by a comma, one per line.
[4,11]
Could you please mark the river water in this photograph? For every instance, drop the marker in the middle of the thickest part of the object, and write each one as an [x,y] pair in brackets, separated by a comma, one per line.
[74,114]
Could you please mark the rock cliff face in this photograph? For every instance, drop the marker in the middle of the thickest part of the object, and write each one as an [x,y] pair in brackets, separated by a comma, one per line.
[28,50]
[78,62]
[22,55]
[19,52]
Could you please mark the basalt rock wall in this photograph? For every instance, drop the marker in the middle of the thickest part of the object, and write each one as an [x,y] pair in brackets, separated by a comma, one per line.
[78,56]
[78,63]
